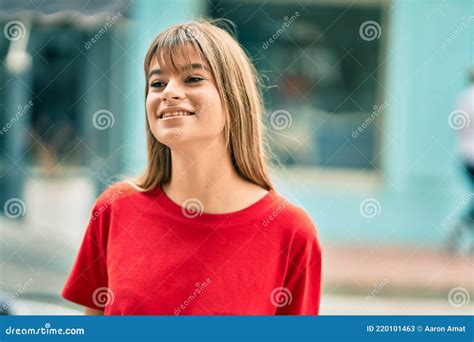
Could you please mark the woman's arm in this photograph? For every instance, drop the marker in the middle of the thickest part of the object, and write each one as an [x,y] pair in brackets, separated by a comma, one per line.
[93,312]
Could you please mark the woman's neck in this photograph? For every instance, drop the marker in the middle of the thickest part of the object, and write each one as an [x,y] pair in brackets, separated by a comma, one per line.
[205,172]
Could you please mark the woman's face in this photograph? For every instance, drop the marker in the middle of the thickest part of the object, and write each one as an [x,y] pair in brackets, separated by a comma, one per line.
[183,106]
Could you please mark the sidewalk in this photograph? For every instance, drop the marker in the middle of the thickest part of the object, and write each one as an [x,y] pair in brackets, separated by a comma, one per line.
[357,305]
[386,271]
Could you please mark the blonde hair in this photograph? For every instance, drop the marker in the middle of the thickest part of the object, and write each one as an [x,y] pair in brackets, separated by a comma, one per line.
[238,85]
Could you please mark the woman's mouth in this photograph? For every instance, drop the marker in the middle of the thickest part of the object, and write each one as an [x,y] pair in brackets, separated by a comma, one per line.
[175,114]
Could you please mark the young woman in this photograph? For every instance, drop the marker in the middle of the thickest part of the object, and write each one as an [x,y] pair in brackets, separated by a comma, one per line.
[202,232]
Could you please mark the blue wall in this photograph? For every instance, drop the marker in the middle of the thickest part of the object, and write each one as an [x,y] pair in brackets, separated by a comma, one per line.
[420,180]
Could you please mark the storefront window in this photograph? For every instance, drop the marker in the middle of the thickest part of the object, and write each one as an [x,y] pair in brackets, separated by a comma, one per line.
[323,65]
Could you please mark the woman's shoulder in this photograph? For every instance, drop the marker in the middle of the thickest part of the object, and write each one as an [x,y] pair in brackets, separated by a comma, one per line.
[301,229]
[288,211]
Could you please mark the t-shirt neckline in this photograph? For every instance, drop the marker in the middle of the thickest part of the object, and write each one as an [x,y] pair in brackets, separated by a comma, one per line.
[251,211]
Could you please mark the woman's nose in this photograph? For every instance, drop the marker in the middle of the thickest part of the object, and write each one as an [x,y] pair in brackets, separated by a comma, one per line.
[172,91]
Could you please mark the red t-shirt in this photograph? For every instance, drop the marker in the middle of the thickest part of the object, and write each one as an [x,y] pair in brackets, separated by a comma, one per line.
[143,254]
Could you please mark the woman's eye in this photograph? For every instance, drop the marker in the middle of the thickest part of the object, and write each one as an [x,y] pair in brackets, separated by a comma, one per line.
[157,84]
[193,79]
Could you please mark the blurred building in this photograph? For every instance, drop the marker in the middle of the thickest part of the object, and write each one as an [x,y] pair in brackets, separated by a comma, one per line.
[360,100]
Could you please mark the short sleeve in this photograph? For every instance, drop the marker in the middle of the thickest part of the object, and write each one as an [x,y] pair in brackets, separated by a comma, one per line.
[88,281]
[303,279]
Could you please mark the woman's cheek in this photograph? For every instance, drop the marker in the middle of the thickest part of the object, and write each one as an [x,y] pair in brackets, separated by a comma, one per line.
[151,104]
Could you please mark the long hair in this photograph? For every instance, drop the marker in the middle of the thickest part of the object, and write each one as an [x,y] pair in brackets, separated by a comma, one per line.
[238,86]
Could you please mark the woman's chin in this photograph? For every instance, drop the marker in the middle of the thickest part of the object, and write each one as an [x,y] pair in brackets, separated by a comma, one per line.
[173,137]
[187,140]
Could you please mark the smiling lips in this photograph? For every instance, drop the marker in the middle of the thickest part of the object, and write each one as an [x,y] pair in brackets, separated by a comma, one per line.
[175,114]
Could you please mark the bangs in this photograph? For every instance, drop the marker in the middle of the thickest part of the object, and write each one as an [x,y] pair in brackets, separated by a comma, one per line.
[175,44]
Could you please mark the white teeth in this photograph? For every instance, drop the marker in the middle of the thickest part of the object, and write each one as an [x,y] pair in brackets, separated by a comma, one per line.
[179,113]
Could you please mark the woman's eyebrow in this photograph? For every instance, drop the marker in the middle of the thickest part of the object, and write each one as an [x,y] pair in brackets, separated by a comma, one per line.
[193,66]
